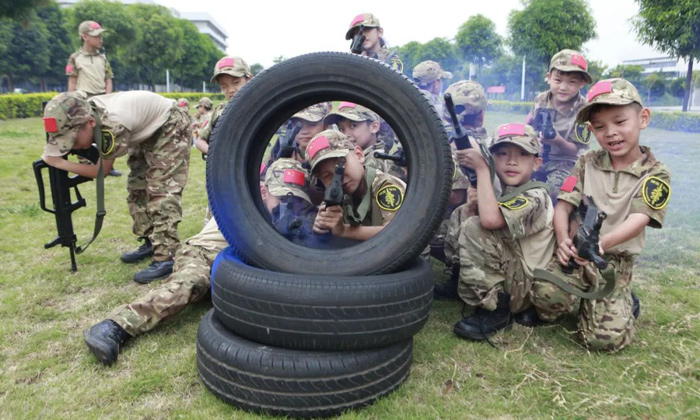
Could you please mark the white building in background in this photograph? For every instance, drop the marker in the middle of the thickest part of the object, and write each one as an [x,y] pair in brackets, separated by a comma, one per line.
[669,66]
[202,20]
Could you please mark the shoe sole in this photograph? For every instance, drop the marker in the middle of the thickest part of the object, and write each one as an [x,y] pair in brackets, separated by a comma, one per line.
[146,281]
[479,336]
[100,351]
[130,261]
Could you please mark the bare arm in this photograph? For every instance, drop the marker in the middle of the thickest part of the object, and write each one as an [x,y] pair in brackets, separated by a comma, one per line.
[72,83]
[568,148]
[108,86]
[89,171]
[630,228]
[330,219]
[202,145]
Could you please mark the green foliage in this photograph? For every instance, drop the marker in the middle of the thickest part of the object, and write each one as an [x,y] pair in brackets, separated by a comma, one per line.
[256,68]
[27,51]
[545,27]
[20,10]
[60,43]
[478,41]
[410,55]
[631,73]
[198,58]
[113,16]
[596,69]
[675,121]
[677,87]
[655,86]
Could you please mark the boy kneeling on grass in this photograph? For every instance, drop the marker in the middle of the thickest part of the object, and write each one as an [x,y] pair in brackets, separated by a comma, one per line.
[632,187]
[512,235]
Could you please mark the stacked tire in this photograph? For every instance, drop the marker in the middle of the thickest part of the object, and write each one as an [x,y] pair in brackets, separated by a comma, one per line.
[282,337]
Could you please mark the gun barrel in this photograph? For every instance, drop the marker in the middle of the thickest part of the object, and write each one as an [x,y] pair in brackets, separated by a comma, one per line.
[450,105]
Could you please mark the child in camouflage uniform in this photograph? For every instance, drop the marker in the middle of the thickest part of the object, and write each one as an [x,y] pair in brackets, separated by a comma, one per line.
[374,45]
[429,77]
[155,133]
[190,280]
[567,74]
[231,73]
[633,188]
[372,197]
[511,237]
[361,126]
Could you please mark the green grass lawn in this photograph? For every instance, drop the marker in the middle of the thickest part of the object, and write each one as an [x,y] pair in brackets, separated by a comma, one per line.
[47,372]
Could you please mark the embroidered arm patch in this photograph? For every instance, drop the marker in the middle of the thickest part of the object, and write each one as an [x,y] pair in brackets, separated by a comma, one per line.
[516,203]
[389,198]
[656,192]
[569,184]
[107,142]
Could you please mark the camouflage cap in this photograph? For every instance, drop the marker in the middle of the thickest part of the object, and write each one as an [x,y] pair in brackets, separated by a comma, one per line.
[468,96]
[314,113]
[233,66]
[367,20]
[183,103]
[63,116]
[428,72]
[90,27]
[570,60]
[353,112]
[326,145]
[285,176]
[609,92]
[205,102]
[518,134]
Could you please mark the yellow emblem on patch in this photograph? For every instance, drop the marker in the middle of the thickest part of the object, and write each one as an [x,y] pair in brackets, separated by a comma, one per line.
[107,142]
[656,192]
[583,133]
[397,64]
[389,198]
[516,203]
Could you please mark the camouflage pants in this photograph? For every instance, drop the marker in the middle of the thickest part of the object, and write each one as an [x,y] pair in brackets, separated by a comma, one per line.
[158,176]
[189,283]
[603,324]
[451,238]
[554,173]
[490,263]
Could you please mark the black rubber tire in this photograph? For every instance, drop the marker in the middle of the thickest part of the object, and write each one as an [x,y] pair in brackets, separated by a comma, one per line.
[320,312]
[241,135]
[295,383]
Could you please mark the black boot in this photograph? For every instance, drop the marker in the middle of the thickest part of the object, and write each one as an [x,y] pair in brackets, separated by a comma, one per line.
[448,290]
[144,251]
[529,318]
[104,340]
[482,324]
[157,270]
[635,305]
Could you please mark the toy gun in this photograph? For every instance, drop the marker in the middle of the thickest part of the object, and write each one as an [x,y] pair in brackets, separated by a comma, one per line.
[61,184]
[461,140]
[333,196]
[286,144]
[357,41]
[587,237]
[544,123]
[399,157]
[288,222]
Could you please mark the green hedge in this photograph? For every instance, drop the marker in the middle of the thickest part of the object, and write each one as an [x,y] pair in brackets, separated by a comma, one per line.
[674,121]
[18,105]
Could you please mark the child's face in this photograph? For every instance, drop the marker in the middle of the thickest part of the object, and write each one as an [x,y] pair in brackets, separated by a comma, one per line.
[84,136]
[230,85]
[308,131]
[514,166]
[564,87]
[617,129]
[363,134]
[372,38]
[92,41]
[354,171]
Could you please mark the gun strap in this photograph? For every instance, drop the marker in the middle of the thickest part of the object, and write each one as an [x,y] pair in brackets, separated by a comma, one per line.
[608,275]
[99,187]
[521,189]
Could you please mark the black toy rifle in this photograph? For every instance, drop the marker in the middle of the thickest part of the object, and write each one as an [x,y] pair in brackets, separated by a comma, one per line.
[63,207]
[287,146]
[544,124]
[588,235]
[288,221]
[460,139]
[358,40]
[399,157]
[333,196]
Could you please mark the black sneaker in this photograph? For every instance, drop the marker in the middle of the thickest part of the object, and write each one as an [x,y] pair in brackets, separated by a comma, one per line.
[104,340]
[446,291]
[157,270]
[114,172]
[529,318]
[635,306]
[143,252]
[482,324]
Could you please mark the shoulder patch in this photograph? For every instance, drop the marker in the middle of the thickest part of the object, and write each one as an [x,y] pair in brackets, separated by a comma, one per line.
[569,184]
[583,133]
[107,142]
[656,192]
[389,198]
[397,64]
[516,203]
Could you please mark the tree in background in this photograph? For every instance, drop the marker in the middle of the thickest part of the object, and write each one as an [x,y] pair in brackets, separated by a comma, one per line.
[545,27]
[478,41]
[198,58]
[60,46]
[673,26]
[632,73]
[409,55]
[596,69]
[27,51]
[654,86]
[256,68]
[21,10]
